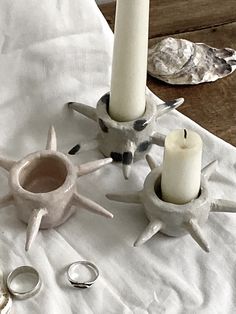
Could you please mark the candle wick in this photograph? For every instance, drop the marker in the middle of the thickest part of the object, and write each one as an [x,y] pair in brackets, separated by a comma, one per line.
[185,133]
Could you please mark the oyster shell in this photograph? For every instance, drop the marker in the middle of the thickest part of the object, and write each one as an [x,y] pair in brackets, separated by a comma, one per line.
[179,61]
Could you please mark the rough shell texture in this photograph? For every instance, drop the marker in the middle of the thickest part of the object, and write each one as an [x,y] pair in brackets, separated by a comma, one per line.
[179,61]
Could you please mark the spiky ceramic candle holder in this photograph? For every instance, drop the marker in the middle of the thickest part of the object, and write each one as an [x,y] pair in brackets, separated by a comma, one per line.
[43,188]
[125,142]
[171,219]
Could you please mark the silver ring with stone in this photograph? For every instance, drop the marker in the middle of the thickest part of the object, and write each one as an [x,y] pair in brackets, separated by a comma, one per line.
[73,274]
[24,282]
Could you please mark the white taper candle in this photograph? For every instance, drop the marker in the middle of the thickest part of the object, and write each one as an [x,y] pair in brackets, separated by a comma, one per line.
[129,67]
[181,174]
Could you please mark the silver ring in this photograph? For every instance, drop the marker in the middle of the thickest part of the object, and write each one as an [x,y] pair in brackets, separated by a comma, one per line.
[73,274]
[23,282]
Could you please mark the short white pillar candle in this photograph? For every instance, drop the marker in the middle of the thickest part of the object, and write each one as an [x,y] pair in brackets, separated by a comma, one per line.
[181,174]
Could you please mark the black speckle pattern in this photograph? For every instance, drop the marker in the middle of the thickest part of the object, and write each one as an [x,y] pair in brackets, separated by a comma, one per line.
[223,53]
[140,125]
[103,126]
[74,150]
[127,158]
[142,147]
[232,62]
[170,103]
[106,100]
[82,285]
[117,157]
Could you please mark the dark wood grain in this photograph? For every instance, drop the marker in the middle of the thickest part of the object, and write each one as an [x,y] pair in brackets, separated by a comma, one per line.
[221,36]
[178,16]
[212,105]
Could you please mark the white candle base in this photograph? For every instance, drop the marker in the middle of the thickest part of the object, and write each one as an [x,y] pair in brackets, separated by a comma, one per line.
[125,142]
[171,219]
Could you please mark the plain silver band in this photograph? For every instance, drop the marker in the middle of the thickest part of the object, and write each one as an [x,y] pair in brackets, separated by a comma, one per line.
[86,284]
[22,270]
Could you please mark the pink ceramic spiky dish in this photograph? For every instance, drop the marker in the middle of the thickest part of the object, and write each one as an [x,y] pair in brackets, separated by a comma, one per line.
[43,188]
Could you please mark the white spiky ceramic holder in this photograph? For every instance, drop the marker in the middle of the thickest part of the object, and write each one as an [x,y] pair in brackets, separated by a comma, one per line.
[171,219]
[125,142]
[43,187]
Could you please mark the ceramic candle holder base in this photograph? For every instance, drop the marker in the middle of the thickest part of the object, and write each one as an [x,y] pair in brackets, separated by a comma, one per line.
[5,298]
[171,219]
[125,142]
[43,187]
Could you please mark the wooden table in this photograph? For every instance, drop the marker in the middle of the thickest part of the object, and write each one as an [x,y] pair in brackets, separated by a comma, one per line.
[212,105]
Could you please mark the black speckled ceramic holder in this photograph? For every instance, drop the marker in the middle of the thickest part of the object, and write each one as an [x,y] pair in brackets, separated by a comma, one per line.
[171,219]
[125,142]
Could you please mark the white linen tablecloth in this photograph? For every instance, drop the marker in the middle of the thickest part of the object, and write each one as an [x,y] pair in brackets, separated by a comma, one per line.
[53,52]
